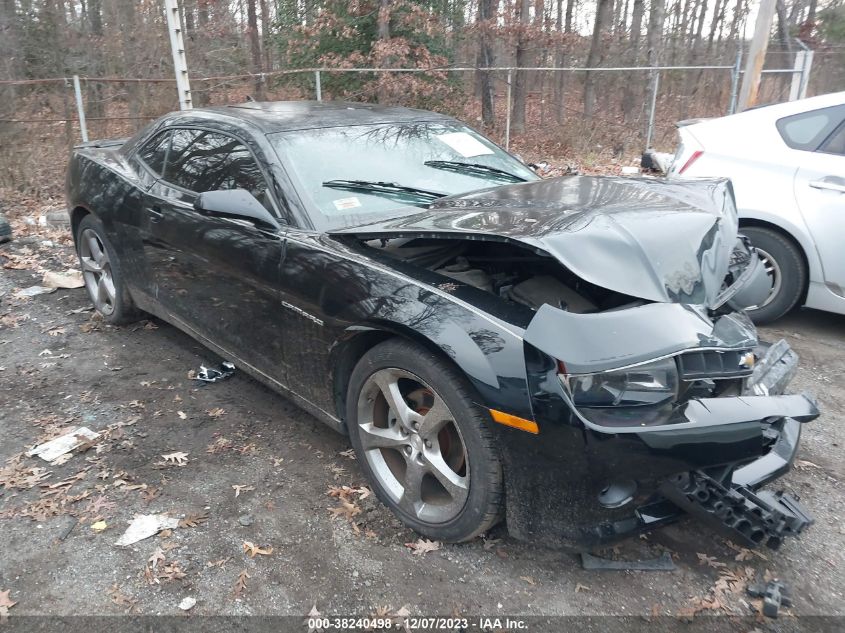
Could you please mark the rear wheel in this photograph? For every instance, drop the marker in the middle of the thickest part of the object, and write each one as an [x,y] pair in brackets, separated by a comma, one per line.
[422,443]
[785,268]
[102,273]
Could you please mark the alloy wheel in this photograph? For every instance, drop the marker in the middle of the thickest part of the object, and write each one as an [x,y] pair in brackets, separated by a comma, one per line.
[413,445]
[774,274]
[97,271]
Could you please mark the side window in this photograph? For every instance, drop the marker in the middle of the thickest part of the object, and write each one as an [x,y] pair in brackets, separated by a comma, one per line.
[154,152]
[836,143]
[807,130]
[207,161]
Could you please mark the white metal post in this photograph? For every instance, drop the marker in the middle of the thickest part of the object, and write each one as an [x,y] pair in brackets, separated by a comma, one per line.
[508,114]
[651,111]
[318,84]
[80,109]
[177,46]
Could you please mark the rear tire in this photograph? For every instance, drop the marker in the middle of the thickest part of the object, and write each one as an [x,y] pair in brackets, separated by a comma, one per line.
[426,447]
[786,269]
[103,274]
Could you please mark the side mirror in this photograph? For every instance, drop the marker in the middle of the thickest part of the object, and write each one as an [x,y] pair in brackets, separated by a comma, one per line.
[235,203]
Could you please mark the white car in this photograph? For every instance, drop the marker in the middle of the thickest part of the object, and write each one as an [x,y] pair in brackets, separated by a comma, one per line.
[787,164]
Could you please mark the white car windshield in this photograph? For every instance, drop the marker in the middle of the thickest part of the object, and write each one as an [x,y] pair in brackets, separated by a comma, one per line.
[353,175]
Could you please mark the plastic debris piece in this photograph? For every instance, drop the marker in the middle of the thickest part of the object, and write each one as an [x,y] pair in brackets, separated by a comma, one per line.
[144,526]
[209,374]
[628,170]
[661,563]
[33,291]
[48,451]
[99,526]
[774,594]
[68,279]
[187,604]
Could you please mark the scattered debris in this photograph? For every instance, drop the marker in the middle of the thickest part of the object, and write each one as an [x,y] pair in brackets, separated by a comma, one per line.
[99,526]
[187,604]
[774,594]
[121,599]
[49,451]
[144,526]
[423,546]
[68,279]
[252,550]
[208,374]
[661,563]
[579,588]
[33,291]
[629,170]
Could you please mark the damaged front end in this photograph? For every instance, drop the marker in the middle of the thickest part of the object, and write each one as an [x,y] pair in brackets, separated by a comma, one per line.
[652,393]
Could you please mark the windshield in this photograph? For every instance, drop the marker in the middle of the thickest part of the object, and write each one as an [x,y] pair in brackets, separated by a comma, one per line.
[386,163]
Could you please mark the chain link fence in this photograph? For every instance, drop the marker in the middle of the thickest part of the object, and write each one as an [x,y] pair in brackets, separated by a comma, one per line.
[42,119]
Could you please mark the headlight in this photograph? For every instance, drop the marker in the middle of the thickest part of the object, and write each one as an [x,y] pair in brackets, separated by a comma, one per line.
[644,385]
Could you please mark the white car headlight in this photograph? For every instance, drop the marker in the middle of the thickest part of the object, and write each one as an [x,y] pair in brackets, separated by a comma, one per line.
[649,384]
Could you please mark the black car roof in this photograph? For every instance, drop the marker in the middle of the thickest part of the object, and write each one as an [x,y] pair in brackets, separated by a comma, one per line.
[283,116]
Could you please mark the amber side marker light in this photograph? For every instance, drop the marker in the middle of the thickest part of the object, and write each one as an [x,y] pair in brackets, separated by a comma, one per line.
[516,422]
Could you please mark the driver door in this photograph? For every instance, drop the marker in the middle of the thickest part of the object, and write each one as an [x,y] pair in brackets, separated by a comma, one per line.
[219,277]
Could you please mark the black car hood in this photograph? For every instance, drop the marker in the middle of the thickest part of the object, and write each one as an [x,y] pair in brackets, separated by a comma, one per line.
[652,239]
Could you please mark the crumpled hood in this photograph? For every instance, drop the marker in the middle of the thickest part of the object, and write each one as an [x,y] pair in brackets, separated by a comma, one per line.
[651,239]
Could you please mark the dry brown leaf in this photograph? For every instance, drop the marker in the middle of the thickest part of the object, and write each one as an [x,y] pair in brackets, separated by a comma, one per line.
[5,601]
[710,561]
[345,509]
[579,588]
[240,583]
[239,489]
[156,557]
[252,550]
[121,599]
[194,519]
[423,546]
[178,458]
[528,579]
[216,412]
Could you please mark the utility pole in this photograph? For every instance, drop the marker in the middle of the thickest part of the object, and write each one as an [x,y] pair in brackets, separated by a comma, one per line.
[756,55]
[177,46]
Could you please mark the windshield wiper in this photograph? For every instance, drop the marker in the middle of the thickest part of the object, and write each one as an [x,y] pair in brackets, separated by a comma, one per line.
[386,188]
[473,169]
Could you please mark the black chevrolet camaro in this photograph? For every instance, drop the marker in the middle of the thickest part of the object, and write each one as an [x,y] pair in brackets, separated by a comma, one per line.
[568,354]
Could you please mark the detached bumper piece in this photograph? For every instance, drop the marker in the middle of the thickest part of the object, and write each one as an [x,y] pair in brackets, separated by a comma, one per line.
[756,518]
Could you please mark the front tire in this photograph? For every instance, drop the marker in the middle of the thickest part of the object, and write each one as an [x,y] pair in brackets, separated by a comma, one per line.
[102,273]
[422,443]
[786,269]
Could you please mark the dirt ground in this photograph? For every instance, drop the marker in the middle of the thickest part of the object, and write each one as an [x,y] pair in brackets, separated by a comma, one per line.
[257,470]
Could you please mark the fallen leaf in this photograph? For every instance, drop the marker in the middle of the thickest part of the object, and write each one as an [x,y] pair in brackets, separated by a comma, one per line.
[216,412]
[803,464]
[240,584]
[252,550]
[423,546]
[239,489]
[156,557]
[710,561]
[5,601]
[194,519]
[579,588]
[182,415]
[99,526]
[528,579]
[178,458]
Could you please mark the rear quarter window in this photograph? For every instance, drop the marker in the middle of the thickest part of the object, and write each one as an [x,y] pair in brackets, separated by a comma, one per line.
[808,130]
[154,152]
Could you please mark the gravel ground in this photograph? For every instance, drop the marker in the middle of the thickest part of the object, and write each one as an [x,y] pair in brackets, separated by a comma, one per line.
[259,470]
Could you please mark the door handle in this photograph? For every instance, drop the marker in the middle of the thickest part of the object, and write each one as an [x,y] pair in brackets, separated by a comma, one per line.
[826,184]
[155,214]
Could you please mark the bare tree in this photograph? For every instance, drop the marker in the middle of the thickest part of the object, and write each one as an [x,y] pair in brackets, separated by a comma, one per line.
[520,88]
[486,20]
[603,13]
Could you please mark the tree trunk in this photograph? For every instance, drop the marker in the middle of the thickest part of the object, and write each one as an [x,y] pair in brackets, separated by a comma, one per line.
[783,27]
[265,34]
[632,87]
[255,49]
[383,33]
[653,40]
[95,89]
[603,10]
[485,60]
[126,15]
[520,88]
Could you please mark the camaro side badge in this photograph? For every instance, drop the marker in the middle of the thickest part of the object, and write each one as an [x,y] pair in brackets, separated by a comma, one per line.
[747,360]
